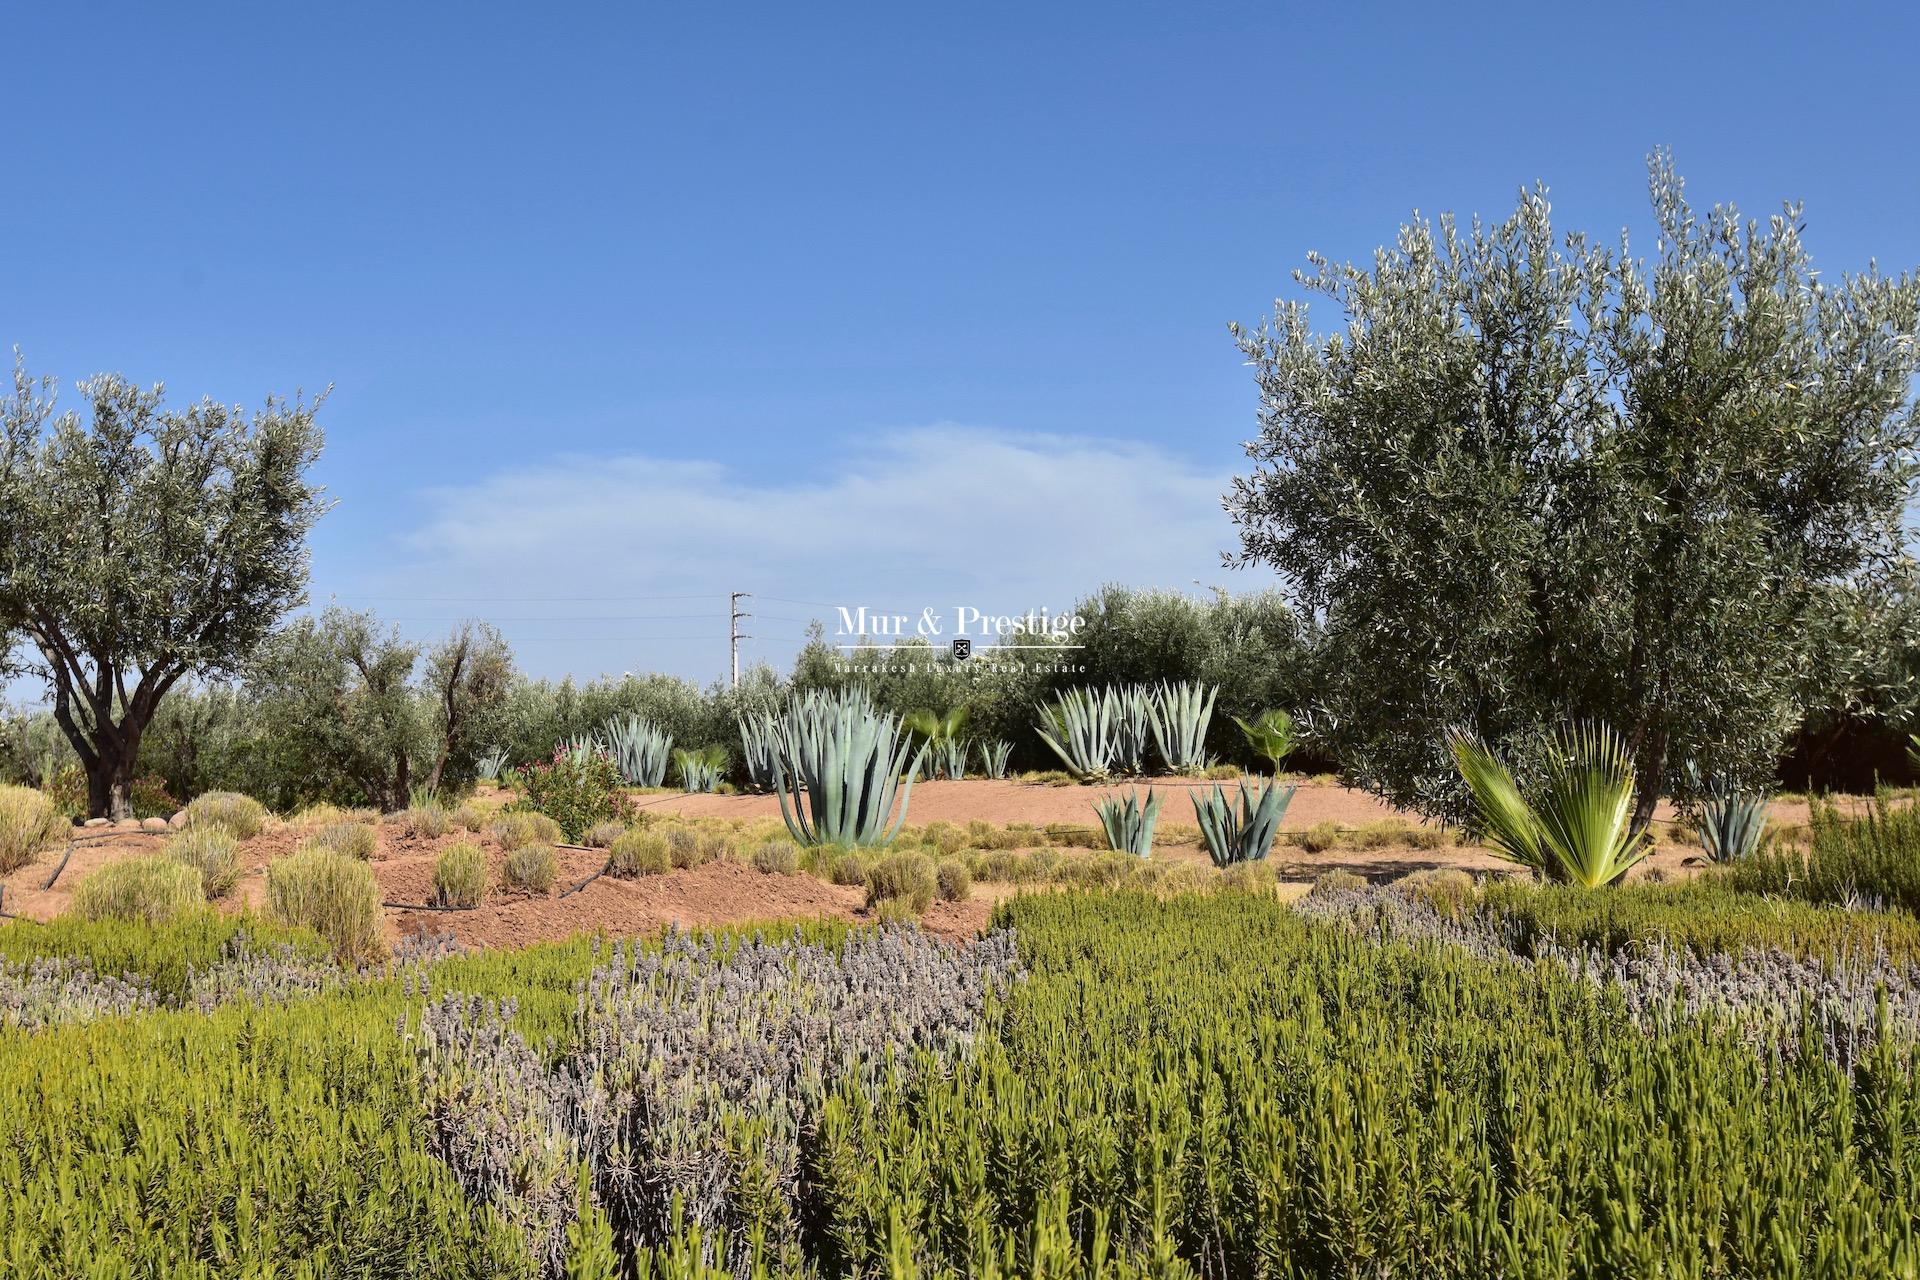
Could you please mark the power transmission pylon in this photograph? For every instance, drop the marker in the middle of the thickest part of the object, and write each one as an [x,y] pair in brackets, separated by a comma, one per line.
[734,637]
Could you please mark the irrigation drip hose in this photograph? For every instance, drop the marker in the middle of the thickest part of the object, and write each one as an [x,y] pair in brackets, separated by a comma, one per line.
[62,867]
[589,880]
[423,906]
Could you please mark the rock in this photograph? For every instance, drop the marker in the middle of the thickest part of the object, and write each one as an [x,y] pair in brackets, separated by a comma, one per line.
[178,820]
[154,824]
[96,822]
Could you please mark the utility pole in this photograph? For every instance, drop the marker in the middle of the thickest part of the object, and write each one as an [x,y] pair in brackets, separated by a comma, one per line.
[733,632]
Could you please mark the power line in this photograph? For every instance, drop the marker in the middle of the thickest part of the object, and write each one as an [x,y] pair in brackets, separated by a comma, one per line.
[583,617]
[337,595]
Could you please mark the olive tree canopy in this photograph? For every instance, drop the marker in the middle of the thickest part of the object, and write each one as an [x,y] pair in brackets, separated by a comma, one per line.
[141,543]
[1536,479]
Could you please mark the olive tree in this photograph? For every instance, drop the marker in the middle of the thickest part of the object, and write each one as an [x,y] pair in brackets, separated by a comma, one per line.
[1536,479]
[356,711]
[141,543]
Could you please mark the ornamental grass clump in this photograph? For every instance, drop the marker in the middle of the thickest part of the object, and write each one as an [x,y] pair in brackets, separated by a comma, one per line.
[348,839]
[151,889]
[601,835]
[426,820]
[242,815]
[639,852]
[29,822]
[214,854]
[777,858]
[953,882]
[907,877]
[335,896]
[532,868]
[519,828]
[460,876]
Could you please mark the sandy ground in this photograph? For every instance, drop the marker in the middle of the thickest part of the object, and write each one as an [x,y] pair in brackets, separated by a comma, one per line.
[731,893]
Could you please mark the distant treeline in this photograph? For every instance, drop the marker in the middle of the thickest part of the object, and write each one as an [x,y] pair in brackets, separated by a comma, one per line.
[340,708]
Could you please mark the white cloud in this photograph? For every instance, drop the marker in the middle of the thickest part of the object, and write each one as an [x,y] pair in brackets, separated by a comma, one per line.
[929,517]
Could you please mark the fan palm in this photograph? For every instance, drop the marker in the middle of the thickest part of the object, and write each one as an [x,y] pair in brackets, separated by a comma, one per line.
[1578,829]
[1270,734]
[945,745]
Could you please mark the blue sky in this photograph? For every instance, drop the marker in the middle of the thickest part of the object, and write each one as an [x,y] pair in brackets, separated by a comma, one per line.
[897,305]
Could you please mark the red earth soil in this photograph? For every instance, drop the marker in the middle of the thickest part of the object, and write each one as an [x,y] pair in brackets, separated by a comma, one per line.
[722,893]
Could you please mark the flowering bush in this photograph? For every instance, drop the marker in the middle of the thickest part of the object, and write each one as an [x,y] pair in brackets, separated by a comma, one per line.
[579,788]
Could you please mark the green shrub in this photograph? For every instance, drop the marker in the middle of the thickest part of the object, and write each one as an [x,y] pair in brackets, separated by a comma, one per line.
[952,881]
[470,817]
[214,854]
[1706,914]
[531,868]
[335,896]
[152,889]
[165,956]
[460,876]
[578,789]
[518,829]
[348,839]
[777,858]
[1871,861]
[639,852]
[29,822]
[908,876]
[242,815]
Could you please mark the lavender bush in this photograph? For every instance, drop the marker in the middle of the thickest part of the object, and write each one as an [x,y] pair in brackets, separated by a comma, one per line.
[1837,1005]
[692,1080]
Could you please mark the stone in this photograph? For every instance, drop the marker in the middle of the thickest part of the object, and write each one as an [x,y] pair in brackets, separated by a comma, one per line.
[178,820]
[96,822]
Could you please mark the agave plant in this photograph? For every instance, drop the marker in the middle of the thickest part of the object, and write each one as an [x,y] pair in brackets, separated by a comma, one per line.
[946,748]
[993,757]
[1180,714]
[1270,736]
[1132,709]
[1129,826]
[762,743]
[488,767]
[849,759]
[1079,728]
[1579,828]
[639,749]
[1246,834]
[1731,821]
[700,769]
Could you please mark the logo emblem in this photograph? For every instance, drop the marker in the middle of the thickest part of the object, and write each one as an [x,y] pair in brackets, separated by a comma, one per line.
[962,648]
